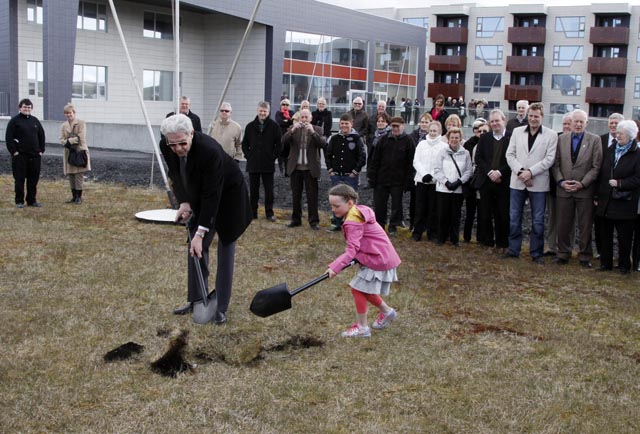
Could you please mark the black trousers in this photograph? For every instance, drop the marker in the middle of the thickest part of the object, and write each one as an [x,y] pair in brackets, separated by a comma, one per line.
[449,206]
[302,179]
[26,167]
[254,192]
[493,213]
[471,206]
[380,199]
[624,228]
[426,211]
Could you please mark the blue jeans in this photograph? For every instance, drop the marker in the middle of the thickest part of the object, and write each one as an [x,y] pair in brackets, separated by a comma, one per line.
[352,182]
[537,201]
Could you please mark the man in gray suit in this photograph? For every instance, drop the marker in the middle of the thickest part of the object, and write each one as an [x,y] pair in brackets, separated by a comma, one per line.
[578,160]
[531,153]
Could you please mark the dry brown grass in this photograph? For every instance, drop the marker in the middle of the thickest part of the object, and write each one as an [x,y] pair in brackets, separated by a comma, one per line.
[480,345]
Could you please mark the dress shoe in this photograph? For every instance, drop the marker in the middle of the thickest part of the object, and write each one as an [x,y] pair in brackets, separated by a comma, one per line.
[294,225]
[509,256]
[78,201]
[549,253]
[560,261]
[35,204]
[538,260]
[183,310]
[315,227]
[586,264]
[271,218]
[220,318]
[20,205]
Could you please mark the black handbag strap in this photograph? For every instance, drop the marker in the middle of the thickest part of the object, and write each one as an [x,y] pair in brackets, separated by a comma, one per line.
[456,164]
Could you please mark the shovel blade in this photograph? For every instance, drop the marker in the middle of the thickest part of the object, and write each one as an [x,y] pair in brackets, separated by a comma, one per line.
[270,301]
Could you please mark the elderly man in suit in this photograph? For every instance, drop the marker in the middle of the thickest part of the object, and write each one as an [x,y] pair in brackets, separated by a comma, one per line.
[213,198]
[531,153]
[578,161]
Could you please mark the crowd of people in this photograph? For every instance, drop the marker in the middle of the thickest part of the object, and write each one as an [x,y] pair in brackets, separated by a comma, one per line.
[569,180]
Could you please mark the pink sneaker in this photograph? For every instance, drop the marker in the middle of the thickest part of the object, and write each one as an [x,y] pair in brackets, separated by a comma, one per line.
[356,331]
[384,320]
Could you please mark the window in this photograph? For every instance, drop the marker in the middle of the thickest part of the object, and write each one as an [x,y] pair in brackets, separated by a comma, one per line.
[158,85]
[34,78]
[568,85]
[89,82]
[490,54]
[34,11]
[560,109]
[92,16]
[636,88]
[419,21]
[572,27]
[484,82]
[565,55]
[488,26]
[636,113]
[638,55]
[606,51]
[158,26]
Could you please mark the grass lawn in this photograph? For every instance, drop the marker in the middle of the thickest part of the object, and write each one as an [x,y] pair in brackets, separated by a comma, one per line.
[481,345]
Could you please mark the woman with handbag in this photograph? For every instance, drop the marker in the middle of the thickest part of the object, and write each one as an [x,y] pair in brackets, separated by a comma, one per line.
[617,197]
[76,153]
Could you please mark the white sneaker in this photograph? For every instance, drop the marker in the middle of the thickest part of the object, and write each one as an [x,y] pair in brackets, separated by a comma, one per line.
[357,331]
[384,320]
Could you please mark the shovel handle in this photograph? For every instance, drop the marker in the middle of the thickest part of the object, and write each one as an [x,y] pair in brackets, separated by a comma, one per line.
[319,279]
[200,280]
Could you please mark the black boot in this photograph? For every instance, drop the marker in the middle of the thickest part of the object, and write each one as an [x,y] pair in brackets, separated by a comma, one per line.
[78,197]
[75,195]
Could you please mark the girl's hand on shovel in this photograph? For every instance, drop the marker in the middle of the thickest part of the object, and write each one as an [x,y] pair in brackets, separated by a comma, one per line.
[196,247]
[331,273]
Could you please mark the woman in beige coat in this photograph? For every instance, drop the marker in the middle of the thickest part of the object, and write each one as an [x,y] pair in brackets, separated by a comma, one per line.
[73,134]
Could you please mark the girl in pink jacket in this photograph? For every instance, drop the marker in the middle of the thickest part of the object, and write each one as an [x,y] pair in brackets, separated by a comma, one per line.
[368,243]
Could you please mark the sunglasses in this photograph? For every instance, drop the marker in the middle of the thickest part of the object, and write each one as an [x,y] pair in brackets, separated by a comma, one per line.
[224,111]
[173,145]
[285,104]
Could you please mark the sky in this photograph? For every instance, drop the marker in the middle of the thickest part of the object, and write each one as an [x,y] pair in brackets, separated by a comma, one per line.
[372,4]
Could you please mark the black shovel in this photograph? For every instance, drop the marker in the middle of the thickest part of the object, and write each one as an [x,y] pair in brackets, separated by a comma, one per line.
[276,299]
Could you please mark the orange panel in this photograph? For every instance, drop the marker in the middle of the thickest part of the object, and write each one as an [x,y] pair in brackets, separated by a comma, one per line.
[394,78]
[301,67]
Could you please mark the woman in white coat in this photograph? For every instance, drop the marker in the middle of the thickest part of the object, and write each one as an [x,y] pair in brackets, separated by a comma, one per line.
[453,168]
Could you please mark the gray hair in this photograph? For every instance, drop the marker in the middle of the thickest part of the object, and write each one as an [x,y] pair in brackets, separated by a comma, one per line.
[176,124]
[628,128]
[568,115]
[226,105]
[580,112]
[500,112]
[266,105]
[185,98]
[617,116]
[526,103]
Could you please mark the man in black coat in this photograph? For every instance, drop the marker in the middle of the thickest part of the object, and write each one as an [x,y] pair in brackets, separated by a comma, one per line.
[207,183]
[261,147]
[185,109]
[492,179]
[25,142]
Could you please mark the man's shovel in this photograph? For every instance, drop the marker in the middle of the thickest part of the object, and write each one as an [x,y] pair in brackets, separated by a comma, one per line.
[201,314]
[276,299]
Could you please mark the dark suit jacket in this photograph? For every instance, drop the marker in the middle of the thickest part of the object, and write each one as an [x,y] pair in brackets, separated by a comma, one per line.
[216,189]
[585,169]
[627,172]
[484,156]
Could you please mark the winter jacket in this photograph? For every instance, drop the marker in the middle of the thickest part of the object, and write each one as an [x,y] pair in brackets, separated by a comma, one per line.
[345,153]
[261,147]
[324,120]
[76,134]
[360,123]
[24,134]
[627,172]
[426,158]
[392,162]
[445,170]
[368,243]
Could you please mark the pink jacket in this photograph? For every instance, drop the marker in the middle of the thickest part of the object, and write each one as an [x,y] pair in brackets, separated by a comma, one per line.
[368,243]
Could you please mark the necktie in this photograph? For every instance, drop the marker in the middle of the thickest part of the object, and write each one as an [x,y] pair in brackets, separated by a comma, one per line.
[183,172]
[614,143]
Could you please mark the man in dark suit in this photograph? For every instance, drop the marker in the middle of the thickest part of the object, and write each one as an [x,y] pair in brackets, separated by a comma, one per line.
[207,183]
[185,109]
[492,180]
[578,161]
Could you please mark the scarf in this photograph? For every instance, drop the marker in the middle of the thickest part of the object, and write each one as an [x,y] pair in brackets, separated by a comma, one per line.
[286,114]
[620,151]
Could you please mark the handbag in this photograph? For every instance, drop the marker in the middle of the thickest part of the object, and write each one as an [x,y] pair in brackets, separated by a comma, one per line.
[467,189]
[77,158]
[616,194]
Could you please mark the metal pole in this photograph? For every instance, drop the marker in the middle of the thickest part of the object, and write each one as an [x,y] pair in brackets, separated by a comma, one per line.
[176,35]
[235,63]
[141,99]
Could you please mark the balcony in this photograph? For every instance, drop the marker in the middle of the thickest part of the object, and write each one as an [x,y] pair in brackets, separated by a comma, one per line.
[448,63]
[609,35]
[607,65]
[445,89]
[449,35]
[526,35]
[515,92]
[605,95]
[525,64]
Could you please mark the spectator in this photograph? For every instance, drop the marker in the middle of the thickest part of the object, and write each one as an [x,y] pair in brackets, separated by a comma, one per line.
[360,118]
[453,121]
[345,157]
[228,133]
[390,173]
[416,111]
[25,140]
[480,109]
[391,106]
[381,130]
[185,109]
[617,197]
[438,112]
[531,153]
[424,162]
[261,146]
[284,119]
[462,110]
[373,121]
[471,193]
[520,118]
[452,169]
[406,113]
[304,142]
[304,105]
[73,135]
[321,117]
[576,169]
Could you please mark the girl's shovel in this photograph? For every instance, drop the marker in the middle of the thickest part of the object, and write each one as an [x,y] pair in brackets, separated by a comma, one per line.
[272,300]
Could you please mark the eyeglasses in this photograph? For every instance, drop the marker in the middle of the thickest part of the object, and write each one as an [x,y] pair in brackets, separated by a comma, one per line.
[357,103]
[225,111]
[173,145]
[285,104]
